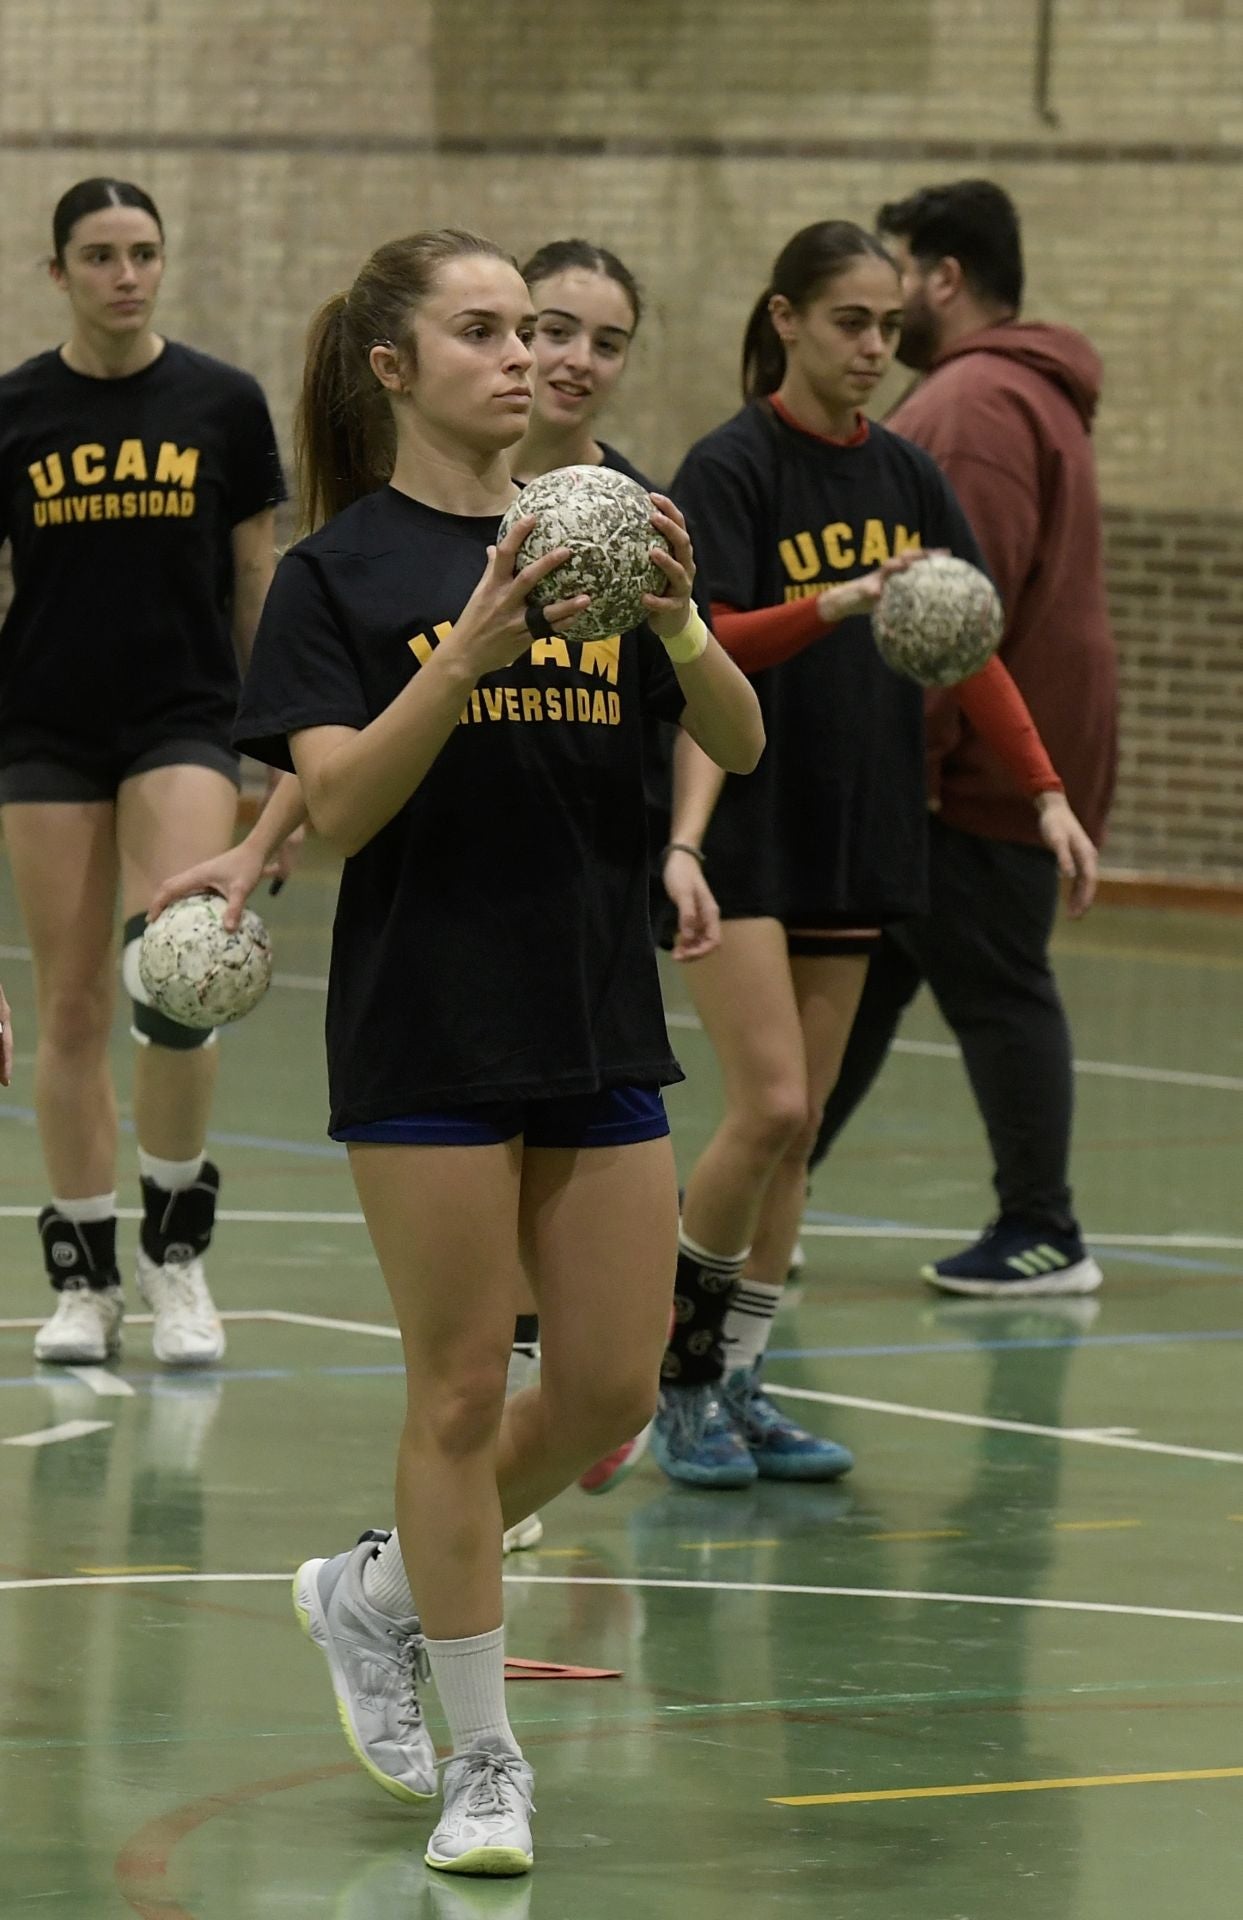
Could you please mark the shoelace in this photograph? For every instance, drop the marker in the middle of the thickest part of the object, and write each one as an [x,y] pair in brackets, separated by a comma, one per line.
[493,1773]
[691,1414]
[412,1651]
[188,1291]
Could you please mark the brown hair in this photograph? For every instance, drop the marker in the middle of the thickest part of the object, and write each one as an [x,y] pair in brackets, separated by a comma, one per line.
[804,267]
[343,434]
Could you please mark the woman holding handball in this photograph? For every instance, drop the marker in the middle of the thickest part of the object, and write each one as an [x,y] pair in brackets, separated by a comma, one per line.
[496,1042]
[802,509]
[138,480]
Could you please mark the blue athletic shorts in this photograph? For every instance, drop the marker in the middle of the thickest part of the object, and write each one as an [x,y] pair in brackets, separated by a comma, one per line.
[615,1117]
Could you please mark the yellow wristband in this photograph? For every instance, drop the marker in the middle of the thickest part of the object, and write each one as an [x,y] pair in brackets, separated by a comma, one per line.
[689,642]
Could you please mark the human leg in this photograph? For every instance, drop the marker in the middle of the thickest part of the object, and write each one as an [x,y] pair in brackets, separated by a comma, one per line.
[893,979]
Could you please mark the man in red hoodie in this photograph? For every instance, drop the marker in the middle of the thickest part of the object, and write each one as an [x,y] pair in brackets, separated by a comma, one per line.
[1005,408]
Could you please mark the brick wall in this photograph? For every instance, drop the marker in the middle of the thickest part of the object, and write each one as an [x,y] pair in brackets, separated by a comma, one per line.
[283,141]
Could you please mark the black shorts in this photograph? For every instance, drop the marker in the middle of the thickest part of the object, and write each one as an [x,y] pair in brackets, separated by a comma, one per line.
[60,774]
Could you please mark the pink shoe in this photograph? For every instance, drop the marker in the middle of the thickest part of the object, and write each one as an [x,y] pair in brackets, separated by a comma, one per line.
[612,1470]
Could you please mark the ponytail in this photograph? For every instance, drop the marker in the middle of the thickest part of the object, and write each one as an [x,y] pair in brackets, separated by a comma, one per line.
[763,356]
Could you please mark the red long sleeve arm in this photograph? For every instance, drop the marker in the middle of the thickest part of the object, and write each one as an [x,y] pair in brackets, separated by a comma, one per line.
[769,635]
[998,712]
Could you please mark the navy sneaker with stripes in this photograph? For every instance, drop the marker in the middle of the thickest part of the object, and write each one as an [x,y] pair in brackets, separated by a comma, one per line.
[1012,1260]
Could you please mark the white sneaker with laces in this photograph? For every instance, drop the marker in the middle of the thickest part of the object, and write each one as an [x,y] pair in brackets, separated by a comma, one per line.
[485,1827]
[188,1330]
[376,1664]
[85,1329]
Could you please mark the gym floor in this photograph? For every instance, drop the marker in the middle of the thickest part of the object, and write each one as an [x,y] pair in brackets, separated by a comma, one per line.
[995,1675]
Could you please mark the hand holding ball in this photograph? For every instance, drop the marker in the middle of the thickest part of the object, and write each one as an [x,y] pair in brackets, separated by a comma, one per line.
[605,518]
[938,621]
[198,973]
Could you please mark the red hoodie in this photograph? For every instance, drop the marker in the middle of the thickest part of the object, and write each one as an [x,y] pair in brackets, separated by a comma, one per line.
[1007,414]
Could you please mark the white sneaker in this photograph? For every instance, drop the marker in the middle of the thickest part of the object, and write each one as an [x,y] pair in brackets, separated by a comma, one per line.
[527,1533]
[188,1330]
[376,1664]
[485,1827]
[85,1329]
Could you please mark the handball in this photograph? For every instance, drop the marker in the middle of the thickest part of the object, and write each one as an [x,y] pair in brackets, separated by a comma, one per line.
[195,971]
[605,518]
[938,621]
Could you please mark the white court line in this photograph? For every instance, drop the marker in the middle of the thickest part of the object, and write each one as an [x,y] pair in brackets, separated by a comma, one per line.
[106,1385]
[673,1586]
[334,1326]
[1102,1069]
[1205,1242]
[1085,1436]
[48,1436]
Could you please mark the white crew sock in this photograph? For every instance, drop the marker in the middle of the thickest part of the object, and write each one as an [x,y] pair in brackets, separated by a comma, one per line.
[385,1585]
[101,1206]
[749,1322]
[470,1679]
[173,1176]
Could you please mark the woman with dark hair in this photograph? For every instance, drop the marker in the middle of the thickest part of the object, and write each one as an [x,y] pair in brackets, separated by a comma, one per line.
[138,480]
[496,1043]
[801,508]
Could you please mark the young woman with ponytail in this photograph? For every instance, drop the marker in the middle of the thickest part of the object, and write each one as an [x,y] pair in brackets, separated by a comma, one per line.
[801,507]
[496,1043]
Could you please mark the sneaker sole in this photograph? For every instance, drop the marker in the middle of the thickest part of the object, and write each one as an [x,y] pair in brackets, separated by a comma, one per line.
[77,1357]
[492,1863]
[724,1479]
[306,1606]
[528,1533]
[185,1362]
[637,1452]
[1084,1277]
[807,1469]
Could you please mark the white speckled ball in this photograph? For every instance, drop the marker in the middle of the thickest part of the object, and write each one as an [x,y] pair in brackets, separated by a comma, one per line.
[939,621]
[195,971]
[605,518]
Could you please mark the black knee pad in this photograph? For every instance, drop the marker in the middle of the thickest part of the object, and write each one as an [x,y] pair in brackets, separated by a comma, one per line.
[149,1026]
[178,1226]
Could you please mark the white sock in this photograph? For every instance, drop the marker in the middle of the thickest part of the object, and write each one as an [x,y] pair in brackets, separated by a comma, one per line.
[385,1585]
[470,1679]
[101,1206]
[749,1322]
[172,1176]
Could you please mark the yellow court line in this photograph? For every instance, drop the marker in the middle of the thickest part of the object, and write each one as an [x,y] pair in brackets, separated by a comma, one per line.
[929,1533]
[717,1546]
[1003,1786]
[1095,1526]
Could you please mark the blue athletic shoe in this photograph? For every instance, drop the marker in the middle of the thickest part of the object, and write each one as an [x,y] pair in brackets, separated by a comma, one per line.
[695,1441]
[780,1449]
[1013,1261]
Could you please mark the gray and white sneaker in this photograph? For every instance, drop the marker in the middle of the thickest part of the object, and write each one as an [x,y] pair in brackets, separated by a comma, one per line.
[485,1827]
[376,1665]
[188,1331]
[85,1329]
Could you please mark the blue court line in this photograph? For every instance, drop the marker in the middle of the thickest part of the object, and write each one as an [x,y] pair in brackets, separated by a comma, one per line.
[309,1149]
[1188,1339]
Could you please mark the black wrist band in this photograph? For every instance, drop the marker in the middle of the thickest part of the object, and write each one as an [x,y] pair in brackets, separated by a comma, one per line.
[682,846]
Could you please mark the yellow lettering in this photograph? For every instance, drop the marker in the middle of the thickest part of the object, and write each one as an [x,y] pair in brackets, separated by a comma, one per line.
[875,545]
[96,505]
[838,556]
[55,511]
[554,652]
[493,700]
[599,709]
[552,702]
[799,556]
[531,705]
[112,506]
[86,472]
[129,505]
[475,707]
[155,505]
[174,468]
[172,506]
[903,541]
[583,703]
[40,513]
[131,461]
[614,709]
[187,505]
[421,648]
[601,656]
[511,704]
[77,509]
[48,476]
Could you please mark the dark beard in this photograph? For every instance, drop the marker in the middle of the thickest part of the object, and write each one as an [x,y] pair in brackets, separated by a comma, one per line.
[917,343]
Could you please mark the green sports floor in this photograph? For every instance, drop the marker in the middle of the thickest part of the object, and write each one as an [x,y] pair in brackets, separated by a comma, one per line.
[996,1675]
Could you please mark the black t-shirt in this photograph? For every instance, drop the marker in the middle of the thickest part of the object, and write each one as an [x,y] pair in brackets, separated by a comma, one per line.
[830,830]
[119,498]
[492,942]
